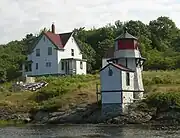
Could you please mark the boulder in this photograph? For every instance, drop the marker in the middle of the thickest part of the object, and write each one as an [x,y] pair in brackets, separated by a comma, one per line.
[41,116]
[138,117]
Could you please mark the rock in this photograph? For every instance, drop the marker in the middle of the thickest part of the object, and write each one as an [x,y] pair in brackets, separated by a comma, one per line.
[55,114]
[41,116]
[90,114]
[138,117]
[118,120]
[168,115]
[93,114]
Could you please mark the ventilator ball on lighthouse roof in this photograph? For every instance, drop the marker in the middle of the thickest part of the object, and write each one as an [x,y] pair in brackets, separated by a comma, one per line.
[125,29]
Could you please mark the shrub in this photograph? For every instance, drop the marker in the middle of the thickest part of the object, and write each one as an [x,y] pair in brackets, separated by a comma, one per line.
[157,80]
[161,99]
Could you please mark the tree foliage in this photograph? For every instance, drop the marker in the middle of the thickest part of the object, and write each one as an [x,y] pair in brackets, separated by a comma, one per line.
[159,44]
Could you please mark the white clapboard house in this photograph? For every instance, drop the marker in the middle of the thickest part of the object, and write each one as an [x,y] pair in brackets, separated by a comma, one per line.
[55,54]
[121,74]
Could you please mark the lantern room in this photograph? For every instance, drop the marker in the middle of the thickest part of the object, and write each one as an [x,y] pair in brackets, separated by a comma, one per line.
[126,46]
[126,41]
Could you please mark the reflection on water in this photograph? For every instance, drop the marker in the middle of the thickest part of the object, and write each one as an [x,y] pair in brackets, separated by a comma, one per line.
[88,131]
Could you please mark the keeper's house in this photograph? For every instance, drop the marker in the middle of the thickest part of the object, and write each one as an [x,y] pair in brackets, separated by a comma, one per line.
[55,54]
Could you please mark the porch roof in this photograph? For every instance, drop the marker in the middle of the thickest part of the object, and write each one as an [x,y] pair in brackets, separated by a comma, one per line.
[27,61]
[78,59]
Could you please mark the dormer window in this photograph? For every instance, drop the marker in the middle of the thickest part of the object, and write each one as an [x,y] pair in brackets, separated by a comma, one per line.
[72,52]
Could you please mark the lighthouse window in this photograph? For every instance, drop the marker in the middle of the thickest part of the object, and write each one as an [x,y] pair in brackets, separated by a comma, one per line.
[110,72]
[127,79]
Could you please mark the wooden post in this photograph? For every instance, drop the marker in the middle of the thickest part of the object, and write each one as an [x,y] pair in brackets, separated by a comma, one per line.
[97,92]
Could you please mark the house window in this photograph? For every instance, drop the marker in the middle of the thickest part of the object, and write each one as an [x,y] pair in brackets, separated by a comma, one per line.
[127,79]
[72,52]
[62,65]
[48,64]
[81,65]
[110,72]
[36,65]
[44,39]
[37,52]
[49,50]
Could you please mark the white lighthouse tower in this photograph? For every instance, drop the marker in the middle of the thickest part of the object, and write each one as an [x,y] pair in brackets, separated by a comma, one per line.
[121,75]
[127,53]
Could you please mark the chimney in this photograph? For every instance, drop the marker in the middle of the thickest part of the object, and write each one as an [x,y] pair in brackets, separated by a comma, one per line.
[53,28]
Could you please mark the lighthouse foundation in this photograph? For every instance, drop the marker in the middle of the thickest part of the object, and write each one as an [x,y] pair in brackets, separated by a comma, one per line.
[113,109]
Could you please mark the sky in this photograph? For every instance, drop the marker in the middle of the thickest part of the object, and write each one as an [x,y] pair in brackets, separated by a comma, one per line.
[20,17]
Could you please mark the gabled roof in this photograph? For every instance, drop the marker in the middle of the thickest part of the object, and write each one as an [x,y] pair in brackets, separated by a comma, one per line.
[118,66]
[126,35]
[58,40]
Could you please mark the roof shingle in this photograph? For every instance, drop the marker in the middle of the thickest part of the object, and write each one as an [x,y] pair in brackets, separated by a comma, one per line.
[126,35]
[59,40]
[119,66]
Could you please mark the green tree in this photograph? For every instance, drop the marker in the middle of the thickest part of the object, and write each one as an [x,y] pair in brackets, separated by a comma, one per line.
[163,31]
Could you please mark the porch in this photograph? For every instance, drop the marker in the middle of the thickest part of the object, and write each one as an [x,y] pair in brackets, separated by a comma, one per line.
[27,68]
[68,66]
[72,66]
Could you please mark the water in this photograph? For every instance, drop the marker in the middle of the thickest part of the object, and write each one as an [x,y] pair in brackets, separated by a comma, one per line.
[89,131]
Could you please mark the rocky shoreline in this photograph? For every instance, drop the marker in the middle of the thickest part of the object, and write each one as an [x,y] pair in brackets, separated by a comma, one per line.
[91,114]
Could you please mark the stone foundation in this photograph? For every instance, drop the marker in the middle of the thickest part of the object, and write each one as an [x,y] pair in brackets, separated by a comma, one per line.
[110,110]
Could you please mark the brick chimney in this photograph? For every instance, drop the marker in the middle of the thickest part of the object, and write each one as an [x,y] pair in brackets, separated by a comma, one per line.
[53,28]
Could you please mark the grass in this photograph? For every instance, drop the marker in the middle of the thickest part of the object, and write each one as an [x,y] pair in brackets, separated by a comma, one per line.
[10,123]
[162,81]
[161,77]
[66,92]
[61,93]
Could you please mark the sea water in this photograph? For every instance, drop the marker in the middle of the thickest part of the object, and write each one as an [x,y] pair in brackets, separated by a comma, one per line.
[89,131]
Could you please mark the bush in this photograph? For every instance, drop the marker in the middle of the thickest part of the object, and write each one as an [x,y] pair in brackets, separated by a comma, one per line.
[157,80]
[162,99]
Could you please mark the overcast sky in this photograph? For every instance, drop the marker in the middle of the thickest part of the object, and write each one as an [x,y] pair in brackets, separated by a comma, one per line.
[19,17]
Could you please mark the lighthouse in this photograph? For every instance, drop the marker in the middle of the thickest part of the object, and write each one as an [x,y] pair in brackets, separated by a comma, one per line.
[121,75]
